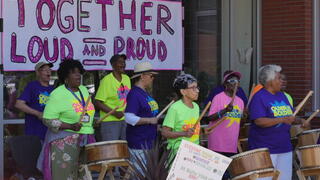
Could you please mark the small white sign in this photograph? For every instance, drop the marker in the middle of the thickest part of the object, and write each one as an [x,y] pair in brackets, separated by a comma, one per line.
[194,162]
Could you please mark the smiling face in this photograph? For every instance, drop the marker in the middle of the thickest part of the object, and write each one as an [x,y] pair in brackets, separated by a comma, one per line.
[74,78]
[44,73]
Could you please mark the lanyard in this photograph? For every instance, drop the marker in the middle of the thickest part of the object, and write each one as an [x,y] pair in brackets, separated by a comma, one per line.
[82,102]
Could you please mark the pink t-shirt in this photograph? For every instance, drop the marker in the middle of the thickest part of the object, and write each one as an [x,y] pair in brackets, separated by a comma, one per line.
[224,138]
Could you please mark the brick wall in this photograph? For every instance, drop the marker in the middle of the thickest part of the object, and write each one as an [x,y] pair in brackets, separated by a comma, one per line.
[287,41]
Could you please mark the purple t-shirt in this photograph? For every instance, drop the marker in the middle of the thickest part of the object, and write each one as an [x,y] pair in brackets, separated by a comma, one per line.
[36,96]
[143,105]
[277,137]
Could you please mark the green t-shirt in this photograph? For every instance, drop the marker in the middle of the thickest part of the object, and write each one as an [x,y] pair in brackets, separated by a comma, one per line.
[113,93]
[289,98]
[180,118]
[63,105]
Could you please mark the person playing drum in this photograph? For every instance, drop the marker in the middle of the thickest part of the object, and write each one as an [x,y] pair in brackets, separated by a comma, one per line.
[271,117]
[183,114]
[141,112]
[224,138]
[69,116]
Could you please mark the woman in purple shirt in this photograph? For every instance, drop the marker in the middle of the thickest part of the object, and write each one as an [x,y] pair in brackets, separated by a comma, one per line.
[271,116]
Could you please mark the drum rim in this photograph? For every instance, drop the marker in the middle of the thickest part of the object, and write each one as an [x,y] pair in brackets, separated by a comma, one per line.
[309,146]
[310,168]
[308,131]
[249,152]
[106,142]
[253,172]
[102,161]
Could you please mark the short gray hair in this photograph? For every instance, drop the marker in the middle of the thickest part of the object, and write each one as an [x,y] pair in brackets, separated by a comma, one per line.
[268,73]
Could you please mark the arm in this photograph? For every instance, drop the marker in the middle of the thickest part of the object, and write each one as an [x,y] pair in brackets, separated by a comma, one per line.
[22,106]
[99,104]
[55,125]
[168,133]
[220,113]
[268,122]
[133,120]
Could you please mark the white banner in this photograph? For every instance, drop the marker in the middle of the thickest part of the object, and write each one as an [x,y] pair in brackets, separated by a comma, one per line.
[197,163]
[92,31]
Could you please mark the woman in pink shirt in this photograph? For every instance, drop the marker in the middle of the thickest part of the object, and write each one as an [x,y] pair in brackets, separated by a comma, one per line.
[224,138]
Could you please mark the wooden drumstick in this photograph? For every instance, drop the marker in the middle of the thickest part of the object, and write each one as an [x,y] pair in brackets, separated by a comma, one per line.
[202,114]
[210,129]
[312,116]
[298,108]
[251,94]
[234,93]
[164,110]
[110,112]
[84,110]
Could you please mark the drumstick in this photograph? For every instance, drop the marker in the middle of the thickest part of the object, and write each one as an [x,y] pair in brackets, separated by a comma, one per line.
[209,129]
[312,116]
[234,93]
[110,112]
[251,94]
[202,114]
[302,103]
[85,107]
[164,110]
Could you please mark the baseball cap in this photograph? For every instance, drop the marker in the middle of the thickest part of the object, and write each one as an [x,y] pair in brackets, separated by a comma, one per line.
[40,64]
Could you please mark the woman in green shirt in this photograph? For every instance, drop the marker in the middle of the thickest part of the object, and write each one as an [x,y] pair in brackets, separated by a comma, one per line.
[182,115]
[68,129]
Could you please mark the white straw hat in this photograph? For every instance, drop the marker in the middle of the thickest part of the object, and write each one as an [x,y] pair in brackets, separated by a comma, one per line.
[142,67]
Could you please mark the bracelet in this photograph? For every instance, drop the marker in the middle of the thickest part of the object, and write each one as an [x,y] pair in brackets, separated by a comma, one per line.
[219,115]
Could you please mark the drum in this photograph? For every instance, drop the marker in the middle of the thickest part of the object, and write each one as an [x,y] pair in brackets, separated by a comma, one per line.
[203,136]
[262,172]
[254,160]
[309,137]
[295,130]
[309,156]
[96,166]
[107,150]
[244,131]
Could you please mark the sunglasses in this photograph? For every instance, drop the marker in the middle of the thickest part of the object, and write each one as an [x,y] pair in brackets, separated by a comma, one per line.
[232,81]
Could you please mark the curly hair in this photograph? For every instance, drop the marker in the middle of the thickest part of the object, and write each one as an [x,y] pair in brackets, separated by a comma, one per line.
[66,66]
[182,82]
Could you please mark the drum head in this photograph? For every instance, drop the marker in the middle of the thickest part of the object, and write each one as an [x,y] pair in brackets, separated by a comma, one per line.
[106,142]
[249,152]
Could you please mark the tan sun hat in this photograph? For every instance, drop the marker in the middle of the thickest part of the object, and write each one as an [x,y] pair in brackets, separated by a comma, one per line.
[142,67]
[40,64]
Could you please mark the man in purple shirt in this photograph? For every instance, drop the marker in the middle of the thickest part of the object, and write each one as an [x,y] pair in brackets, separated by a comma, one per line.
[33,100]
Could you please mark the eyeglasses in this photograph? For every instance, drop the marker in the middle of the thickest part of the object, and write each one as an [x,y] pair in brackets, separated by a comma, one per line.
[195,88]
[233,81]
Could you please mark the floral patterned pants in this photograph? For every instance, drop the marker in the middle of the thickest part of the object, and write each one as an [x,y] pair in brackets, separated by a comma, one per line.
[65,154]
